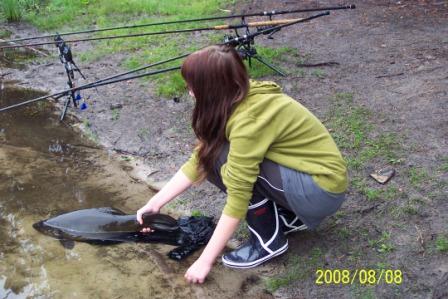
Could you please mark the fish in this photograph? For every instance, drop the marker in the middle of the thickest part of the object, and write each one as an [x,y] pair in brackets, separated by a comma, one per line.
[107,226]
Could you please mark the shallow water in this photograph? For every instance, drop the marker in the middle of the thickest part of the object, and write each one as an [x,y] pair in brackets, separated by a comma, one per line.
[46,169]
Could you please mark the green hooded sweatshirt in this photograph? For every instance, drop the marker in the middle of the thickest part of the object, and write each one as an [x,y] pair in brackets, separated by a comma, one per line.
[269,124]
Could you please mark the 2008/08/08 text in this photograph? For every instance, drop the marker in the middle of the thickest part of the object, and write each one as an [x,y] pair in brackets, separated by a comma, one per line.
[361,276]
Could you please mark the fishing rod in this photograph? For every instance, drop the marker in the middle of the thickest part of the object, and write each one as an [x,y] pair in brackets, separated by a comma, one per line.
[234,41]
[62,93]
[261,14]
[219,27]
[101,82]
[137,70]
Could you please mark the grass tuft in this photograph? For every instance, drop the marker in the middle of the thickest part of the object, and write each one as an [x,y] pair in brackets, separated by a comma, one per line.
[382,244]
[355,134]
[14,10]
[11,10]
[197,213]
[274,56]
[442,244]
[299,268]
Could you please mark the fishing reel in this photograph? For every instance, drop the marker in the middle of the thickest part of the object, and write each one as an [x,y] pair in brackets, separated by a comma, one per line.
[245,48]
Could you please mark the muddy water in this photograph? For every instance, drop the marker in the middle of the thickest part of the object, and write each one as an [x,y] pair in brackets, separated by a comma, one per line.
[45,169]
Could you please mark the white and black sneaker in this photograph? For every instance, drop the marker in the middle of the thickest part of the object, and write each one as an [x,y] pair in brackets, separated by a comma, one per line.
[266,238]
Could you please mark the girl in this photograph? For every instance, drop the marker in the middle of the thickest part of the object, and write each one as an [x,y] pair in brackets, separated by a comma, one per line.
[277,163]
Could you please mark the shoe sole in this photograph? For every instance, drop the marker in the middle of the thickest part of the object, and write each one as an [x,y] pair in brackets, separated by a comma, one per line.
[299,228]
[257,262]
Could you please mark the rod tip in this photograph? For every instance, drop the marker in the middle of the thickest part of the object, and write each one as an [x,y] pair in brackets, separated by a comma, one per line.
[352,6]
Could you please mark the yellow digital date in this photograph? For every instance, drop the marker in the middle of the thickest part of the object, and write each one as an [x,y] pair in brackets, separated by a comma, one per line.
[361,276]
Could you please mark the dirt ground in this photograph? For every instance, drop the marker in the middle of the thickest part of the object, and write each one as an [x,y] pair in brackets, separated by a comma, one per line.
[392,57]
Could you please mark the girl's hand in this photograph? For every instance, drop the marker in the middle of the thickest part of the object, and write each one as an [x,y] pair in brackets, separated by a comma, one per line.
[178,184]
[224,229]
[198,271]
[151,208]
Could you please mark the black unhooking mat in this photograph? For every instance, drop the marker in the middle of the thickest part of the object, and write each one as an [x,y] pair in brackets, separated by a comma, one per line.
[196,231]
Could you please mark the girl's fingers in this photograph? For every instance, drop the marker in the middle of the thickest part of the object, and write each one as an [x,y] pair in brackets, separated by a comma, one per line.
[147,230]
[139,218]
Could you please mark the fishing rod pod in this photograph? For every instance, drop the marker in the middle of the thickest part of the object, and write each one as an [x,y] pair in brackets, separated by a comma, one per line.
[269,14]
[232,41]
[213,28]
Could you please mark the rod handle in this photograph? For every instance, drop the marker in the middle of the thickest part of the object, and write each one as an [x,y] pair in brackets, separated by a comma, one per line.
[258,24]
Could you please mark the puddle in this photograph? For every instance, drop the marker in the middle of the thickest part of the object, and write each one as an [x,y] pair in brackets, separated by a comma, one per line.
[46,168]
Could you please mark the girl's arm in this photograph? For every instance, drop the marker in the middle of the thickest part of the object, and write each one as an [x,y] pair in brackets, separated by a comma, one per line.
[175,186]
[225,228]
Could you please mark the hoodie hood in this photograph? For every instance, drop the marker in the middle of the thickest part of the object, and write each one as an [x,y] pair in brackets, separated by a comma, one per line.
[263,87]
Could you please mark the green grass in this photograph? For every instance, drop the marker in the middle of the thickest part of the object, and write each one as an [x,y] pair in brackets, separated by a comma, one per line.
[372,194]
[298,268]
[170,85]
[350,122]
[115,114]
[417,176]
[196,213]
[84,14]
[87,128]
[68,15]
[273,56]
[143,133]
[444,164]
[363,291]
[319,73]
[339,215]
[14,10]
[353,131]
[343,232]
[442,244]
[4,34]
[382,244]
[11,10]
[377,193]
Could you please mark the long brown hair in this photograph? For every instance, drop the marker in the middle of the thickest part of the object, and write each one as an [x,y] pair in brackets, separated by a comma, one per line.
[219,80]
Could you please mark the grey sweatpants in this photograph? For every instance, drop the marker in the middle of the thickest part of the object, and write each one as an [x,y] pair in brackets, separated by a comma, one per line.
[289,188]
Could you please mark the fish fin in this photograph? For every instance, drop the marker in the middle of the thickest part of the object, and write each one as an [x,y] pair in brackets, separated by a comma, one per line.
[68,244]
[113,211]
[106,242]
